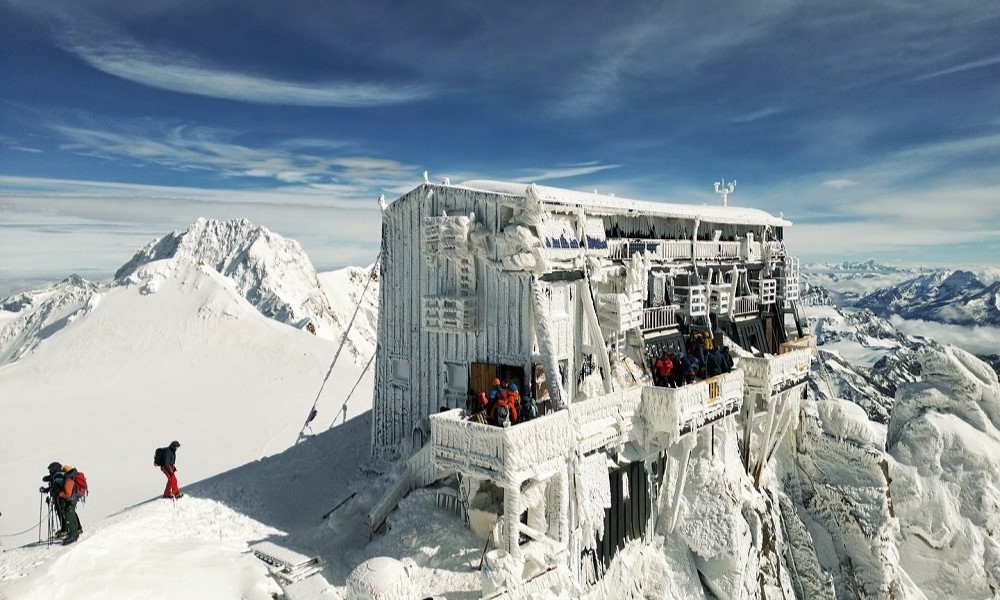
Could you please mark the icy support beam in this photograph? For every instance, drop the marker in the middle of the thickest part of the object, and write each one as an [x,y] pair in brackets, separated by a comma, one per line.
[541,318]
[786,409]
[746,415]
[512,520]
[557,508]
[533,500]
[687,445]
[586,294]
[654,501]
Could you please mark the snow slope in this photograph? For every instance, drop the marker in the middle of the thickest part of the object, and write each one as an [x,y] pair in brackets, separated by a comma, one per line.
[99,376]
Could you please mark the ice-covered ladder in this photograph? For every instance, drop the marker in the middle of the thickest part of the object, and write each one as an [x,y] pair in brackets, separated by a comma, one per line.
[418,471]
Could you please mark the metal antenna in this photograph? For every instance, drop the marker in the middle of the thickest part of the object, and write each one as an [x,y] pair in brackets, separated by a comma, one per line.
[724,189]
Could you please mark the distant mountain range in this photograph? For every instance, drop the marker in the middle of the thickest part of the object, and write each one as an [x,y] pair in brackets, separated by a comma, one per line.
[955,297]
[868,266]
[948,296]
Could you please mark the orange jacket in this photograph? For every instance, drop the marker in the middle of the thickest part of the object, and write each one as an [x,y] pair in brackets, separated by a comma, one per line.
[506,398]
[68,487]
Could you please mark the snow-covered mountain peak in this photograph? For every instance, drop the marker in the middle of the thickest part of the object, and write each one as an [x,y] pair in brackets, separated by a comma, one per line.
[961,281]
[271,272]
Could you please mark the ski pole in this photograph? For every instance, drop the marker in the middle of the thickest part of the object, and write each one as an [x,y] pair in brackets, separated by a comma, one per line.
[39,517]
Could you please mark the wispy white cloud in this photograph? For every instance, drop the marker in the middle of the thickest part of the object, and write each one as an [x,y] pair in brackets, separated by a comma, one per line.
[189,148]
[190,75]
[563,172]
[839,184]
[968,66]
[758,115]
[980,340]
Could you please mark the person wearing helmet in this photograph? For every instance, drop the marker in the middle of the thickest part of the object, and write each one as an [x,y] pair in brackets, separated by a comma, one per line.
[169,469]
[496,390]
[55,480]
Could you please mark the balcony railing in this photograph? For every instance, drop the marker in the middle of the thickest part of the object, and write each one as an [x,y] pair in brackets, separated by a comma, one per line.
[746,305]
[659,317]
[720,298]
[776,373]
[659,250]
[672,411]
[500,453]
[693,301]
[767,289]
[509,455]
[606,420]
[717,250]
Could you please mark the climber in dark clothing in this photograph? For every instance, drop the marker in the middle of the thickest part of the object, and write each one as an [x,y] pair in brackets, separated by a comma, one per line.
[714,362]
[55,480]
[169,469]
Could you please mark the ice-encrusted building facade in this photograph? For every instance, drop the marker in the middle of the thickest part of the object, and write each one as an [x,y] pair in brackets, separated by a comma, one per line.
[572,295]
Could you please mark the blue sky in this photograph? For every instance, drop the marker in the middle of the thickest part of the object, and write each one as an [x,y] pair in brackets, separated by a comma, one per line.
[873,126]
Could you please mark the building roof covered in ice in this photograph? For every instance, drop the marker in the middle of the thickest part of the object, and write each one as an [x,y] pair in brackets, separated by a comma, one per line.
[614,204]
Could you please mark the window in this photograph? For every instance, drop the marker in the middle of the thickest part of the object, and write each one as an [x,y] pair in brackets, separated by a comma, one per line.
[558,234]
[458,377]
[593,230]
[399,369]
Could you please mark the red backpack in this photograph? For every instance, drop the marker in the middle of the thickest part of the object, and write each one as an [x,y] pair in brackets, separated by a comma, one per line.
[80,488]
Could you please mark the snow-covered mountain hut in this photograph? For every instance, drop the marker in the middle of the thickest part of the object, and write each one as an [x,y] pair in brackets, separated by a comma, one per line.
[573,297]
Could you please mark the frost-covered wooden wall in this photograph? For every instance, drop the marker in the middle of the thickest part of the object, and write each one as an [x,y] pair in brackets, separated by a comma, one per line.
[421,367]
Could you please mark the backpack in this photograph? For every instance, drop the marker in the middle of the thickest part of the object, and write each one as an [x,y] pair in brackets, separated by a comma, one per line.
[80,488]
[158,458]
[503,415]
[528,408]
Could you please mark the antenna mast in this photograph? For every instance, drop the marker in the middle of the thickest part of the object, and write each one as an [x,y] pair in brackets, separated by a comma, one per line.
[724,189]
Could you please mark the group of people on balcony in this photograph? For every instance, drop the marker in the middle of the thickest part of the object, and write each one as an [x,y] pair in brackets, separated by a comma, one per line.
[702,360]
[503,406]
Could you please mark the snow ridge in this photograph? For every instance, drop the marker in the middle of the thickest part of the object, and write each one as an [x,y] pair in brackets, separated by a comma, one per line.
[37,315]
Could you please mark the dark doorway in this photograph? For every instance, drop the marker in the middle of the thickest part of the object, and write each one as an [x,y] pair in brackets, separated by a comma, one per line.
[481,376]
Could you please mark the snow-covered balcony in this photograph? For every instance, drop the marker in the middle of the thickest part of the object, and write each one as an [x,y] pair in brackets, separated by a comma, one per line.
[776,249]
[692,299]
[788,280]
[745,305]
[503,454]
[673,411]
[658,318]
[605,420]
[716,251]
[619,312]
[766,289]
[720,298]
[658,250]
[775,374]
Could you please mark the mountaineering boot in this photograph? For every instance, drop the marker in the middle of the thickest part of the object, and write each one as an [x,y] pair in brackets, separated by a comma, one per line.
[179,495]
[70,540]
[62,533]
